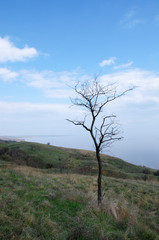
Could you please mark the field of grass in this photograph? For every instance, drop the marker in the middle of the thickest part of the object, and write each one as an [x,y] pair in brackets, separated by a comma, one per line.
[42,203]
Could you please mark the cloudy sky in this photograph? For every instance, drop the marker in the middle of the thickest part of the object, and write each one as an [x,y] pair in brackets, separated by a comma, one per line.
[45,46]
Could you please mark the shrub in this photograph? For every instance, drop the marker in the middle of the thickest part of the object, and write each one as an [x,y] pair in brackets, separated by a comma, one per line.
[156,173]
[3,150]
[144,177]
[146,171]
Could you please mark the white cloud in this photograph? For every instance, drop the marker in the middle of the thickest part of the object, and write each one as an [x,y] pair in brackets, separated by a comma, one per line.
[126,65]
[41,112]
[7,75]
[129,14]
[56,84]
[37,118]
[9,52]
[130,20]
[48,79]
[107,62]
[53,84]
[147,84]
[28,107]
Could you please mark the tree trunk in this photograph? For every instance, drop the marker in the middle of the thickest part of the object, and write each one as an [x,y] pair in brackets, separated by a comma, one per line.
[99,177]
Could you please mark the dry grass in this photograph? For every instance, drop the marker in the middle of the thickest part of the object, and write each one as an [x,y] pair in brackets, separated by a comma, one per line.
[64,206]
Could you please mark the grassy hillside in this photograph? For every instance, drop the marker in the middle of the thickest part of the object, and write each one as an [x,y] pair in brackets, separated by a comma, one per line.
[64,160]
[38,205]
[41,203]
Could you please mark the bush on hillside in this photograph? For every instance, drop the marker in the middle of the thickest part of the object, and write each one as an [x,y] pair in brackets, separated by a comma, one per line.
[156,173]
[146,171]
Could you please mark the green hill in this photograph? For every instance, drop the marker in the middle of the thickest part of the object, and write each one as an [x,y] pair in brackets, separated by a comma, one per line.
[49,193]
[64,160]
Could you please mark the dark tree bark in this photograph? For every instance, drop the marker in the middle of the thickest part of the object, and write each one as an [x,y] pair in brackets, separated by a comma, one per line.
[99,177]
[93,98]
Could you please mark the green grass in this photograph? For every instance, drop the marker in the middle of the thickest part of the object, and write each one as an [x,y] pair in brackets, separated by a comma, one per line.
[42,203]
[38,205]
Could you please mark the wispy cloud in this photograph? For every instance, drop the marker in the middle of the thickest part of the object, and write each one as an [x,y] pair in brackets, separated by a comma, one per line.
[9,52]
[157,19]
[28,107]
[130,19]
[52,84]
[126,65]
[147,84]
[8,75]
[48,79]
[107,62]
[55,84]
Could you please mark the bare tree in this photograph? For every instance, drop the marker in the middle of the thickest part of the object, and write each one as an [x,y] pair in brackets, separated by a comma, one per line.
[104,130]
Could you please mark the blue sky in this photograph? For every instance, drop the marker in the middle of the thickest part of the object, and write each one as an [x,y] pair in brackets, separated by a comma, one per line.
[47,45]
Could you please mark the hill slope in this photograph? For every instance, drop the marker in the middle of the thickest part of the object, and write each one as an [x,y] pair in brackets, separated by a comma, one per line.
[37,205]
[42,203]
[69,160]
